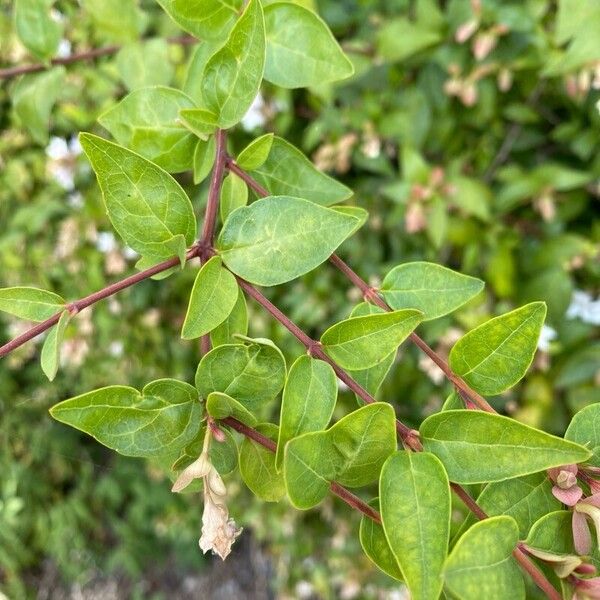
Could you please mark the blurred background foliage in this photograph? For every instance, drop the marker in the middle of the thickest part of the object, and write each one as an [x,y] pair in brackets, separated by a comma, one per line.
[470,133]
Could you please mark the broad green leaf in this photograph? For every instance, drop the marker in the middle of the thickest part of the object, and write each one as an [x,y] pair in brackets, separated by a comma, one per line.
[252,373]
[301,50]
[234,193]
[255,153]
[145,204]
[201,122]
[50,356]
[235,324]
[362,342]
[147,63]
[308,400]
[288,172]
[553,532]
[204,159]
[376,547]
[430,288]
[414,496]
[36,29]
[30,303]
[232,76]
[118,21]
[205,19]
[481,564]
[33,98]
[478,447]
[585,430]
[223,455]
[279,238]
[221,406]
[161,419]
[146,121]
[351,452]
[257,467]
[213,297]
[192,85]
[494,356]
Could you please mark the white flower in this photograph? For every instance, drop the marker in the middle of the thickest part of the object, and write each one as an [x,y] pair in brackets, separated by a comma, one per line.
[584,307]
[64,49]
[255,117]
[62,163]
[547,335]
[130,253]
[105,242]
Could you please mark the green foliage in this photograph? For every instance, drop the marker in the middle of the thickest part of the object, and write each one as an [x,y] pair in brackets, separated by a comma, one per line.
[36,29]
[583,430]
[235,324]
[220,406]
[50,355]
[30,303]
[234,193]
[255,153]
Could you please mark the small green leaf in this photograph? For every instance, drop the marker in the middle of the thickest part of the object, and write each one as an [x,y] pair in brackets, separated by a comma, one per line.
[38,31]
[430,288]
[146,63]
[235,324]
[478,447]
[308,400]
[234,193]
[481,564]
[255,153]
[376,547]
[145,204]
[351,452]
[50,357]
[30,303]
[414,495]
[584,429]
[553,533]
[221,406]
[204,159]
[213,297]
[146,121]
[362,342]
[252,373]
[288,172]
[161,419]
[201,122]
[279,238]
[494,356]
[301,50]
[232,76]
[257,467]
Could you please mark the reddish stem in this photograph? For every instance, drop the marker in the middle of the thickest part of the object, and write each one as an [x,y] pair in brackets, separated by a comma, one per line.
[212,205]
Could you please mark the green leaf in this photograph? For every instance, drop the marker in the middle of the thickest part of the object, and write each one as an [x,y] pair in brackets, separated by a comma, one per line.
[478,447]
[204,159]
[164,417]
[223,455]
[494,356]
[50,356]
[147,63]
[252,373]
[232,76]
[584,429]
[146,121]
[279,238]
[36,29]
[192,85]
[481,564]
[375,545]
[255,153]
[257,467]
[235,324]
[430,288]
[362,342]
[234,193]
[400,38]
[308,400]
[288,172]
[213,297]
[351,452]
[221,406]
[414,495]
[201,122]
[301,50]
[33,98]
[209,19]
[30,303]
[145,204]
[553,533]
[117,21]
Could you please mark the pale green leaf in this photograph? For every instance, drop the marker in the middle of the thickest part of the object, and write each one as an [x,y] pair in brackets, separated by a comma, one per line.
[308,400]
[235,324]
[288,172]
[117,21]
[147,63]
[204,159]
[202,123]
[362,342]
[30,303]
[38,31]
[221,406]
[255,153]
[301,50]
[192,85]
[430,288]
[234,193]
[585,430]
[213,297]
[146,121]
[161,419]
[50,356]
[279,238]
[478,447]
[400,38]
[145,204]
